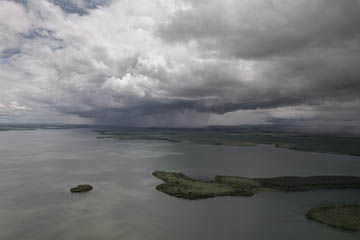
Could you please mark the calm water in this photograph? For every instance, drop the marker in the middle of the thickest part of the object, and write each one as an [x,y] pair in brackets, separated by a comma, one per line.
[37,168]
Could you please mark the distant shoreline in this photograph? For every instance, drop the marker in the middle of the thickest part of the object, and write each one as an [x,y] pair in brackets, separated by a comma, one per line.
[298,142]
[241,137]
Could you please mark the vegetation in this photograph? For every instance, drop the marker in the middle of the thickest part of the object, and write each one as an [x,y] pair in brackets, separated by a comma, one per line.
[182,186]
[291,184]
[343,216]
[244,136]
[81,188]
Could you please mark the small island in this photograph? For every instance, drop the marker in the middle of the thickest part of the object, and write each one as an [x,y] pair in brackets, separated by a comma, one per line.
[342,216]
[83,188]
[182,186]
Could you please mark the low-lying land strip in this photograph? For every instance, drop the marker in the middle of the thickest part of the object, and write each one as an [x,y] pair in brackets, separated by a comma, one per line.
[343,216]
[182,186]
[28,127]
[335,144]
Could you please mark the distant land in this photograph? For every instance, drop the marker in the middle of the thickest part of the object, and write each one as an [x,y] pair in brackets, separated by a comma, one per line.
[27,127]
[246,135]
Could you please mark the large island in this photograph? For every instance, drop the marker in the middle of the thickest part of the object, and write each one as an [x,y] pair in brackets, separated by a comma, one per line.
[342,216]
[182,186]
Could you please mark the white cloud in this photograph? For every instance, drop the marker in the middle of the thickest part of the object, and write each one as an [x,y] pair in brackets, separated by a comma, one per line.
[13,22]
[14,110]
[15,106]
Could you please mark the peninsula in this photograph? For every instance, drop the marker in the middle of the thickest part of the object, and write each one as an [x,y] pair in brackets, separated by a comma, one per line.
[182,186]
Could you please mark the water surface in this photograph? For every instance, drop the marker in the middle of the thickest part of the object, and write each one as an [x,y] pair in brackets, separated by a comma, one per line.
[37,168]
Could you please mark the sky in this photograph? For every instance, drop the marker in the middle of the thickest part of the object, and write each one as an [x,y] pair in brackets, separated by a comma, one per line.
[181,62]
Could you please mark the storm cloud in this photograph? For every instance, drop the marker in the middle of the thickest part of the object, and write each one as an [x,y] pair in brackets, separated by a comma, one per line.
[174,63]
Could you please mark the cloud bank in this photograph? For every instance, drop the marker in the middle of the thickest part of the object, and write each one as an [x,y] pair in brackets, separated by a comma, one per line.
[181,62]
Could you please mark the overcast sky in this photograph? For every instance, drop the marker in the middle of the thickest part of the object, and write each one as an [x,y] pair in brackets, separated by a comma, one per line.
[180,62]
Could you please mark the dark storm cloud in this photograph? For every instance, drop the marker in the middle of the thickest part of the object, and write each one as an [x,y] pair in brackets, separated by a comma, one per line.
[262,29]
[176,62]
[311,47]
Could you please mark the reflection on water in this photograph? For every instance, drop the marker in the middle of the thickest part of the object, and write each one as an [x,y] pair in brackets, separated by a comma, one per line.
[37,168]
